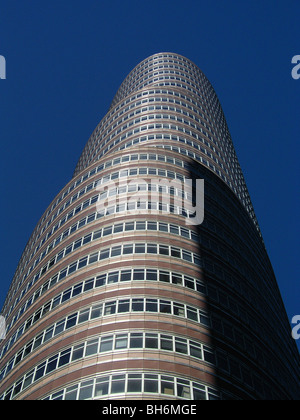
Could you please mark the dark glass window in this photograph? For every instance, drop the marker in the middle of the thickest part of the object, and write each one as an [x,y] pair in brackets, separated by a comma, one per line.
[151,383]
[138,274]
[64,358]
[140,225]
[136,340]
[86,390]
[113,277]
[151,341]
[140,248]
[166,343]
[151,305]
[165,307]
[180,346]
[124,306]
[126,275]
[101,387]
[175,252]
[152,249]
[106,344]
[164,276]
[93,258]
[101,280]
[151,275]
[110,308]
[128,249]
[163,250]
[138,305]
[92,347]
[118,384]
[104,254]
[134,383]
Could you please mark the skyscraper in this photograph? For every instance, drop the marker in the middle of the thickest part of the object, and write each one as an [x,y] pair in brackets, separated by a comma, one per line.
[121,292]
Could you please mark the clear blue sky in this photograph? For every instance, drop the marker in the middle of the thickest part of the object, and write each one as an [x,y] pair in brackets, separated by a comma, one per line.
[66,60]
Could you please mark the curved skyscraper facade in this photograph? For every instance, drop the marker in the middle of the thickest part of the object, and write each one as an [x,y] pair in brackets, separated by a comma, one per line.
[147,276]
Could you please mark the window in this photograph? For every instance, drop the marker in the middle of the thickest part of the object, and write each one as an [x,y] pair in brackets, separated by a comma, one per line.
[121,341]
[167,385]
[187,256]
[52,363]
[88,285]
[126,275]
[101,387]
[91,347]
[71,393]
[93,258]
[164,276]
[96,311]
[82,263]
[86,390]
[192,314]
[166,343]
[151,383]
[100,280]
[134,383]
[152,226]
[138,274]
[71,321]
[151,248]
[106,344]
[118,228]
[124,306]
[110,308]
[183,389]
[199,393]
[66,295]
[113,277]
[189,283]
[181,346]
[77,352]
[165,307]
[104,254]
[140,249]
[128,249]
[72,268]
[138,305]
[151,275]
[196,350]
[107,231]
[179,309]
[140,225]
[40,371]
[176,279]
[136,340]
[129,226]
[60,326]
[174,229]
[151,305]
[116,251]
[118,384]
[175,252]
[151,341]
[163,250]
[83,316]
[163,227]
